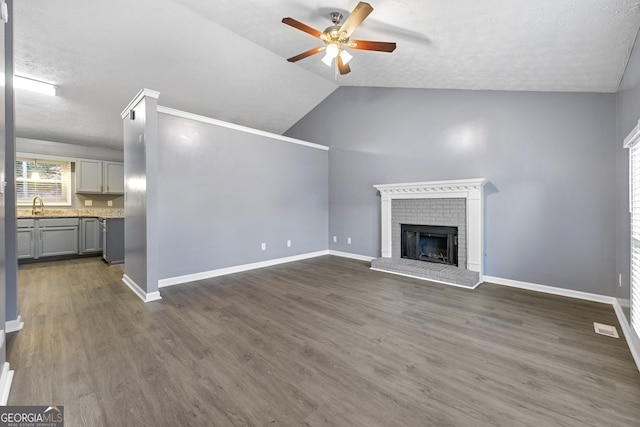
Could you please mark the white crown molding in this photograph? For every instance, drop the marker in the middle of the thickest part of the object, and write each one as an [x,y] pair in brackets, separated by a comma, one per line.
[451,186]
[142,94]
[144,296]
[221,123]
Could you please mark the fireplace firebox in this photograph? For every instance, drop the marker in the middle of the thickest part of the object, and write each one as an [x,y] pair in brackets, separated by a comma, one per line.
[429,243]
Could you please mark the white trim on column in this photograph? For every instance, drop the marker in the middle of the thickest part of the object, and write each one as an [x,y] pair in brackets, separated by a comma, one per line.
[6,378]
[144,296]
[14,325]
[142,94]
[469,189]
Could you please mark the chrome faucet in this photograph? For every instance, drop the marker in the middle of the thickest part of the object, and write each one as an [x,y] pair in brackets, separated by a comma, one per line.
[39,208]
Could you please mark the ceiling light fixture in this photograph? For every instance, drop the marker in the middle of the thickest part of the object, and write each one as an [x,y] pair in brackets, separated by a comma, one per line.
[32,85]
[332,51]
[345,56]
[337,38]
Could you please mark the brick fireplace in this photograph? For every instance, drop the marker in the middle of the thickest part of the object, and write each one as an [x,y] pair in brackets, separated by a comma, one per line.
[453,204]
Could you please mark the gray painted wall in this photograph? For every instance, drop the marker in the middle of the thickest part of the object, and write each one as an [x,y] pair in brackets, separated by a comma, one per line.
[550,200]
[628,114]
[223,192]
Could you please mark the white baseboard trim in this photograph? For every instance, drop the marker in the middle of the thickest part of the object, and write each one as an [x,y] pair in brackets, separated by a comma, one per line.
[6,378]
[14,325]
[427,279]
[350,255]
[632,340]
[177,280]
[144,296]
[550,290]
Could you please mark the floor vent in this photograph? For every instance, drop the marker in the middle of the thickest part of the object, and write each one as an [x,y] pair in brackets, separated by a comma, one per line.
[607,330]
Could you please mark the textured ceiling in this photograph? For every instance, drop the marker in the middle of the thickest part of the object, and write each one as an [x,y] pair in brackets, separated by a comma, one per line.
[101,53]
[225,59]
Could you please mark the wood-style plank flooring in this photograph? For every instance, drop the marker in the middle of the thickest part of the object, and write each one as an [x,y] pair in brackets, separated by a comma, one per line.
[321,342]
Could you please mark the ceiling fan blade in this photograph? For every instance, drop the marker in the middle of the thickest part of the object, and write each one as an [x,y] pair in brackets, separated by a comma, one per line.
[359,14]
[370,45]
[302,27]
[306,54]
[342,67]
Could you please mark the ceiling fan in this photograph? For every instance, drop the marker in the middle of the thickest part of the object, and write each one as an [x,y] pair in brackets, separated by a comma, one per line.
[336,38]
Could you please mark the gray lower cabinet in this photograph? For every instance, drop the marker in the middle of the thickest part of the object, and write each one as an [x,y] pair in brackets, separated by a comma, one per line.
[58,236]
[90,236]
[26,243]
[26,238]
[44,237]
[58,241]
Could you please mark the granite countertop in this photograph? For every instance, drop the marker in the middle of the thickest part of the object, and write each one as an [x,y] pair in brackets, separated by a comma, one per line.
[72,213]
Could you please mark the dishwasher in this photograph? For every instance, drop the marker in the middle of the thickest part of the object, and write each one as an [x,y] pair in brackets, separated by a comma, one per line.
[112,230]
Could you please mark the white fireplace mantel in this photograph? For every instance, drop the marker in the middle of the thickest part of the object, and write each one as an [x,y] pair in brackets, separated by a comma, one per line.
[469,189]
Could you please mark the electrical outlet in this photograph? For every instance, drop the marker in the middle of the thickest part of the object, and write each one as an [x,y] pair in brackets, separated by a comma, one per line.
[335,239]
[348,240]
[88,202]
[620,280]
[264,246]
[110,203]
[288,243]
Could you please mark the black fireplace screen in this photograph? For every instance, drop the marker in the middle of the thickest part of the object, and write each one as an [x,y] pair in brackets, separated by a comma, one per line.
[429,243]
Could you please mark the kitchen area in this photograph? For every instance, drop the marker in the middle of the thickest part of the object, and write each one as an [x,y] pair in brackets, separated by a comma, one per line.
[69,207]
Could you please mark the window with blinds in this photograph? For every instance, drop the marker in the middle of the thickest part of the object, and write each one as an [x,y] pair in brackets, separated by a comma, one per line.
[633,143]
[49,179]
[635,237]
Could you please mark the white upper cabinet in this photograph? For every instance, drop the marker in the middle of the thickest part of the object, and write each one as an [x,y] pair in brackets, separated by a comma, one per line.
[98,177]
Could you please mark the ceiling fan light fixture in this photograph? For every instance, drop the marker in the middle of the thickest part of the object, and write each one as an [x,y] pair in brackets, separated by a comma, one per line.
[345,56]
[332,50]
[328,60]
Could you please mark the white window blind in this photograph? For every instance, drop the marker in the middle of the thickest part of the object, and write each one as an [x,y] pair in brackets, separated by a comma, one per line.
[49,179]
[633,143]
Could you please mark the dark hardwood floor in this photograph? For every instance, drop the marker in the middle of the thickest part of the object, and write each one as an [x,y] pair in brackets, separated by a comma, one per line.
[319,342]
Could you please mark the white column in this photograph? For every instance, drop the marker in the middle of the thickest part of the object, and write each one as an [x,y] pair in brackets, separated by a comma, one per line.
[385,213]
[474,231]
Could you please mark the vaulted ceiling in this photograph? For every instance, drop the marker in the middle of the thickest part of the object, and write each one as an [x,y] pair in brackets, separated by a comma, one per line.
[226,59]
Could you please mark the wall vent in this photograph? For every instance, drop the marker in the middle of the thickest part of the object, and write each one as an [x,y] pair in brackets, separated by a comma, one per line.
[607,330]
